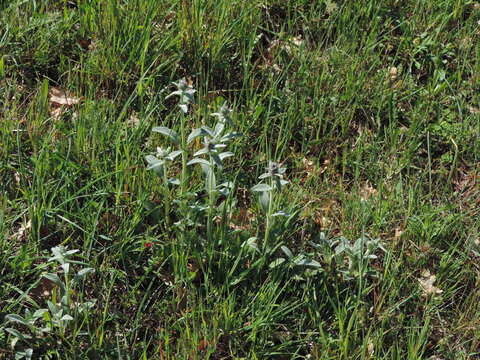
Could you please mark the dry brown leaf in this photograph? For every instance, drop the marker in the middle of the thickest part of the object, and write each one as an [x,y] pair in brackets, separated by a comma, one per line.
[370,348]
[243,220]
[21,233]
[398,232]
[367,191]
[56,113]
[393,73]
[331,7]
[203,344]
[426,283]
[181,300]
[133,120]
[86,44]
[17,178]
[59,97]
[309,166]
[59,100]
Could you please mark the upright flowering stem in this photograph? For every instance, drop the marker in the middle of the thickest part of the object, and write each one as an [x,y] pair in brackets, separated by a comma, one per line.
[184,154]
[274,174]
[211,200]
[167,197]
[185,96]
[269,216]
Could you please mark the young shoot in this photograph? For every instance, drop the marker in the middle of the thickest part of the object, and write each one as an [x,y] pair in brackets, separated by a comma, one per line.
[185,94]
[158,162]
[274,181]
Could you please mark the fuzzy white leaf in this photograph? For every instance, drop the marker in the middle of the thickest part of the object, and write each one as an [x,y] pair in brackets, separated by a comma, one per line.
[167,132]
[261,188]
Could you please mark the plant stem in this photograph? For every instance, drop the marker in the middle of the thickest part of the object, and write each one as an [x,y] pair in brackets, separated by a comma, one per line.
[167,196]
[269,215]
[184,154]
[211,199]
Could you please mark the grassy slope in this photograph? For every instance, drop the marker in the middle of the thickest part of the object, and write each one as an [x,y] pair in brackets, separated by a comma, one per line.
[394,154]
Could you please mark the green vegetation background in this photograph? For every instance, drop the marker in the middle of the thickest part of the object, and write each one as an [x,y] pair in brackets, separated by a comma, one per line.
[372,105]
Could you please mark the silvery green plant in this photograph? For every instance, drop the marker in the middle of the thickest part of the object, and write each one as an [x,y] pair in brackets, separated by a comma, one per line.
[358,255]
[272,182]
[214,142]
[62,308]
[185,94]
[224,114]
[159,162]
[302,264]
[211,157]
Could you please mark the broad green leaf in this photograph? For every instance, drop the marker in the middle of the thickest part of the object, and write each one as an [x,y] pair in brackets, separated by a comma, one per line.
[17,318]
[208,131]
[66,318]
[287,251]
[252,244]
[264,199]
[225,155]
[17,333]
[174,154]
[281,213]
[202,151]
[66,267]
[210,180]
[39,313]
[174,181]
[55,279]
[53,308]
[194,134]
[230,136]
[307,262]
[198,161]
[167,132]
[276,263]
[82,273]
[216,159]
[261,188]
[219,128]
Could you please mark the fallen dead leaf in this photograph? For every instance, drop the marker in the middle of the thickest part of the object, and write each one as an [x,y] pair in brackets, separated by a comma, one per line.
[398,232]
[290,45]
[59,97]
[308,165]
[59,100]
[426,283]
[330,7]
[243,220]
[367,191]
[203,344]
[21,233]
[133,120]
[370,348]
[86,44]
[56,113]
[393,73]
[17,178]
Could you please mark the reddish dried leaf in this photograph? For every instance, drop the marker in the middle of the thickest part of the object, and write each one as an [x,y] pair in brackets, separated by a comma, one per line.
[59,97]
